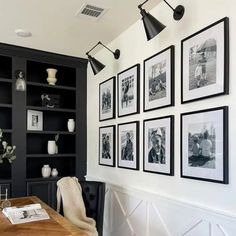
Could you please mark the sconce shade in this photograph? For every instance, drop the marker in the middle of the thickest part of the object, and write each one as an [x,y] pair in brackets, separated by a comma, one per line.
[96,65]
[151,25]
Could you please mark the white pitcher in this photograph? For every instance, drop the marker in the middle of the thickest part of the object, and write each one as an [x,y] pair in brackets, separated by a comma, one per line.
[52,147]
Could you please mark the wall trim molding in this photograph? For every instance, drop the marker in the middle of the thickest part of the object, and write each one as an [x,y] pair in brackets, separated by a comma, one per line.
[152,196]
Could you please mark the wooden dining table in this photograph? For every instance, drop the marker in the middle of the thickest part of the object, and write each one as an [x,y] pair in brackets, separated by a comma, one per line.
[57,225]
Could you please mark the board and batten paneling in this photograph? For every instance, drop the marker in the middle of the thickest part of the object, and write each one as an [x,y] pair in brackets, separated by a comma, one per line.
[133,212]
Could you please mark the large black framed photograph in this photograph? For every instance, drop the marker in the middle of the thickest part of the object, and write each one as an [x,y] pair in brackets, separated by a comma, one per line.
[107,99]
[128,145]
[205,62]
[158,145]
[204,145]
[107,145]
[128,91]
[159,80]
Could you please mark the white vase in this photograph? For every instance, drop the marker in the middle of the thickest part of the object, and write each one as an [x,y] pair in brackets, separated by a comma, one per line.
[51,147]
[52,76]
[46,171]
[71,125]
[54,172]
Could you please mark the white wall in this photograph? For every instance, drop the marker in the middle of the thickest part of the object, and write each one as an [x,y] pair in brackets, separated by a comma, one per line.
[134,49]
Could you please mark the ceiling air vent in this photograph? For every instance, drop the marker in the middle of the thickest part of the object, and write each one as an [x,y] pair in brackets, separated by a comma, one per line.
[90,11]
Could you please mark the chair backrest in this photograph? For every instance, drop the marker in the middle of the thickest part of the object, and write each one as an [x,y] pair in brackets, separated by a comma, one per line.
[94,197]
[93,193]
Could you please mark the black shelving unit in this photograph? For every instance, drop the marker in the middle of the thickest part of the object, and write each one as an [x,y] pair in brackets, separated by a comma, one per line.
[24,177]
[6,116]
[54,87]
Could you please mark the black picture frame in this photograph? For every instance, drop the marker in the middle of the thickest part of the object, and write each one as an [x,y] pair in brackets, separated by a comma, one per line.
[106,161]
[133,108]
[162,130]
[165,58]
[126,159]
[203,75]
[212,167]
[110,100]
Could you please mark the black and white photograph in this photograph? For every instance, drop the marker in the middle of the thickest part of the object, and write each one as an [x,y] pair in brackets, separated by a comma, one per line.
[34,120]
[128,91]
[128,145]
[107,145]
[107,99]
[205,62]
[204,146]
[158,145]
[159,80]
[201,146]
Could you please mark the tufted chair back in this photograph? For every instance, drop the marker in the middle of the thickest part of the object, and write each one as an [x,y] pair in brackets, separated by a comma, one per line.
[93,193]
[94,196]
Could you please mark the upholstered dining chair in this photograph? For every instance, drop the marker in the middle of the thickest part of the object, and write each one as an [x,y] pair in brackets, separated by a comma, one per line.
[93,193]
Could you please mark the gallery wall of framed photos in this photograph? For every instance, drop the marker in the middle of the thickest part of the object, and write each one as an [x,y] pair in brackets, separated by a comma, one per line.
[204,134]
[186,106]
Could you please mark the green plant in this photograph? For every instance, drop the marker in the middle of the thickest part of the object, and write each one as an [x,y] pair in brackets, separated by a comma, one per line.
[6,151]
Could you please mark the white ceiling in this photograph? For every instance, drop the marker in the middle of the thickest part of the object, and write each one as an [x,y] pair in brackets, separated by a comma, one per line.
[55,27]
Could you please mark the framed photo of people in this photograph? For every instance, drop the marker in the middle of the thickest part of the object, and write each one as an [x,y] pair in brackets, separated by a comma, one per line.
[204,145]
[107,145]
[158,145]
[128,145]
[34,120]
[128,91]
[107,99]
[159,80]
[205,62]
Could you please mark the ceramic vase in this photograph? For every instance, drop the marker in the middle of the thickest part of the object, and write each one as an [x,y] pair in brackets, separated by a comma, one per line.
[52,76]
[46,171]
[51,147]
[71,125]
[54,172]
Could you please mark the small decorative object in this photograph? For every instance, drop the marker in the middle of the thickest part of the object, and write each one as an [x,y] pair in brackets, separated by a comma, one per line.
[6,151]
[107,99]
[5,203]
[56,140]
[52,76]
[159,80]
[128,91]
[20,80]
[128,145]
[204,145]
[107,145]
[54,172]
[34,120]
[50,100]
[158,145]
[205,62]
[71,125]
[46,171]
[52,147]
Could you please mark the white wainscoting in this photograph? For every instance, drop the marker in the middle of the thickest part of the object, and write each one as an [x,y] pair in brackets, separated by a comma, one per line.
[130,212]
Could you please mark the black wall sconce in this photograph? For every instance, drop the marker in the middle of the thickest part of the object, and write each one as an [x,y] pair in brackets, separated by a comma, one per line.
[96,65]
[151,25]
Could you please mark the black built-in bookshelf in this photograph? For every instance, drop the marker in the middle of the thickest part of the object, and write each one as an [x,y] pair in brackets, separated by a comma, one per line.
[24,177]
